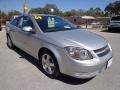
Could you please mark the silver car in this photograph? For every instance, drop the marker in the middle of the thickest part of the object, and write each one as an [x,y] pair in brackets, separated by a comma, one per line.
[59,46]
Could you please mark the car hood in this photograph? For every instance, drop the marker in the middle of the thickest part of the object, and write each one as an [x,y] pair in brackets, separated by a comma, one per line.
[77,38]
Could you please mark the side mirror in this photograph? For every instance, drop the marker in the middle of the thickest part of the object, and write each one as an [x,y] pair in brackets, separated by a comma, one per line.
[28,29]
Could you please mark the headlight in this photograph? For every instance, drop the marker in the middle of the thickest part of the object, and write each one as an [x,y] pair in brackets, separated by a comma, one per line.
[78,53]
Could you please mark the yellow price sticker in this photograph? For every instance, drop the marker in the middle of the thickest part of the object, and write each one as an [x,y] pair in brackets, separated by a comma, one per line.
[38,17]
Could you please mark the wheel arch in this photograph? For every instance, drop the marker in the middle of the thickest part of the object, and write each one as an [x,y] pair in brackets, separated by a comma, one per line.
[54,52]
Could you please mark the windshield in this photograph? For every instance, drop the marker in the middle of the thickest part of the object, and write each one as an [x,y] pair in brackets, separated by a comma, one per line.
[116,18]
[53,23]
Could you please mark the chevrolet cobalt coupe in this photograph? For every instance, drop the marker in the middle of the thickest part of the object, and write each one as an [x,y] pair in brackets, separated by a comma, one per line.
[59,46]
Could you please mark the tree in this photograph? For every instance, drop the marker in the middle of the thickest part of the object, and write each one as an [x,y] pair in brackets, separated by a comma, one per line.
[113,8]
[98,12]
[72,12]
[117,7]
[46,10]
[37,11]
[110,9]
[53,9]
[81,12]
[67,14]
[12,13]
[90,12]
[3,17]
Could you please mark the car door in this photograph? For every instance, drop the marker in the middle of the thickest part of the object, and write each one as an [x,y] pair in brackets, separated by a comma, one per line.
[15,32]
[30,39]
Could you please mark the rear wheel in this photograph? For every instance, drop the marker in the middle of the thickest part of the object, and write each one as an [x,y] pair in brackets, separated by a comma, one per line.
[9,42]
[49,64]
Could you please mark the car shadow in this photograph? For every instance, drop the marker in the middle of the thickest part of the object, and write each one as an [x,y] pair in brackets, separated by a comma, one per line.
[73,81]
[63,78]
[113,31]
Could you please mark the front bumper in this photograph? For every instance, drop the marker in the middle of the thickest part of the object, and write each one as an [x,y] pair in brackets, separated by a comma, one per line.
[87,68]
[94,73]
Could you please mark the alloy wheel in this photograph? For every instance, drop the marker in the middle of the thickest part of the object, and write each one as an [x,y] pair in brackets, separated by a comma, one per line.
[48,64]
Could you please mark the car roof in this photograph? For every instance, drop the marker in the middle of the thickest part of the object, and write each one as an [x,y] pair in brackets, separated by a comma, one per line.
[31,15]
[38,15]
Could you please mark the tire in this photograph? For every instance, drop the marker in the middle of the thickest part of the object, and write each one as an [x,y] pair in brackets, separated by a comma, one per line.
[9,42]
[48,64]
[110,29]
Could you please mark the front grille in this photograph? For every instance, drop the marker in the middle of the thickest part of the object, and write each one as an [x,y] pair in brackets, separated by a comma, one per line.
[102,51]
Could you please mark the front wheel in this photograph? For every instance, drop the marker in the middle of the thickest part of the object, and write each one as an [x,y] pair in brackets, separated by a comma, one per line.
[49,64]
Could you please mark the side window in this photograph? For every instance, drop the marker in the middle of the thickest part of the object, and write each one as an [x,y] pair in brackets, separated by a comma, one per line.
[26,22]
[15,22]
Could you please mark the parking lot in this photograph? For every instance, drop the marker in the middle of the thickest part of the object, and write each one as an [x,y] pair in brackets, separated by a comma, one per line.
[19,71]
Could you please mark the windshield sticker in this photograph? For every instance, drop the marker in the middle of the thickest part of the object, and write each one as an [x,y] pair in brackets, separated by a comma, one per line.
[51,22]
[38,17]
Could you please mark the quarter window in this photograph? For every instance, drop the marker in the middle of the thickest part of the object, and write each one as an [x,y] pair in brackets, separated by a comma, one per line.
[15,22]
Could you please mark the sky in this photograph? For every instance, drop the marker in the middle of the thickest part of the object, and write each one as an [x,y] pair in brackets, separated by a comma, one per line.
[63,5]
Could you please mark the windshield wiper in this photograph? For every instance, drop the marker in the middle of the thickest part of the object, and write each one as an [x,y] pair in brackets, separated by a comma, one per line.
[50,30]
[60,29]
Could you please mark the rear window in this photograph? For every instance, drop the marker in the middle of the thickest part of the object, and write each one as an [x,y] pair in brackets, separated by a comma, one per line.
[116,18]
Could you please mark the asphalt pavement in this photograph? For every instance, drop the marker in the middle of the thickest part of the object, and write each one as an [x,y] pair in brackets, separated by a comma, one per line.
[19,71]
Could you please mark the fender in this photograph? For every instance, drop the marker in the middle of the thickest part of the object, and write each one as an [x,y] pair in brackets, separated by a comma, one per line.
[54,49]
